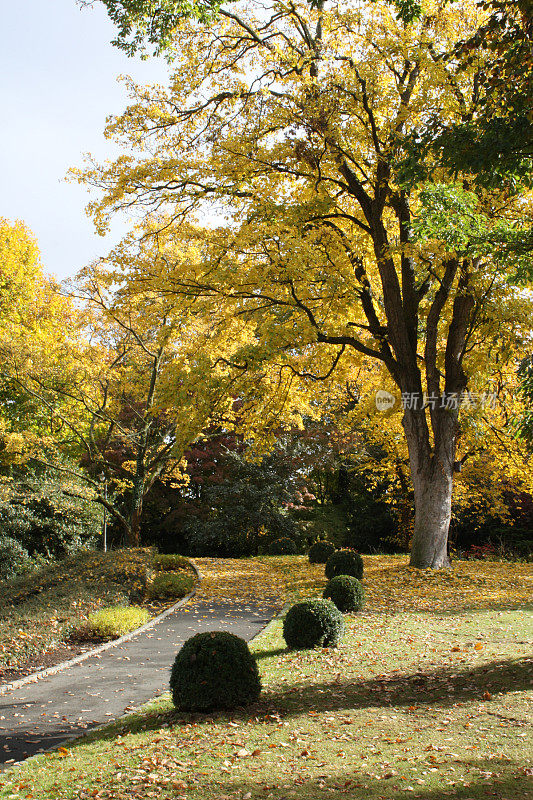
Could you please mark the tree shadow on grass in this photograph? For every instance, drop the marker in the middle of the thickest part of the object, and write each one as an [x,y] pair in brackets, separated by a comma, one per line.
[501,779]
[437,688]
[473,608]
[493,778]
[277,651]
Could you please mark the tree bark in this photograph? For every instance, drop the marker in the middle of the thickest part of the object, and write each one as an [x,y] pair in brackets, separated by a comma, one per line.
[433,507]
[136,509]
[432,476]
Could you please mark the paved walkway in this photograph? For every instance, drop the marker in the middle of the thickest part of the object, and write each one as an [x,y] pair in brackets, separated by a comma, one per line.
[41,715]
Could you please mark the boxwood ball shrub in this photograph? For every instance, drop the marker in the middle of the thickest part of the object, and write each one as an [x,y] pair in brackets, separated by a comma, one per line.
[344,562]
[313,623]
[319,552]
[283,547]
[346,592]
[214,670]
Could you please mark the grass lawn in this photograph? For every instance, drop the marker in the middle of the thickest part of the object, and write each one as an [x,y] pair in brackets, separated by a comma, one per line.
[428,696]
[38,609]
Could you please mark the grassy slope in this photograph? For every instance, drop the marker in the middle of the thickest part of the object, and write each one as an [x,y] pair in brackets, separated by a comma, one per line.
[426,703]
[37,609]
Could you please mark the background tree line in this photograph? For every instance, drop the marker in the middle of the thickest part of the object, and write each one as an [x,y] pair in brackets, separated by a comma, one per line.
[376,235]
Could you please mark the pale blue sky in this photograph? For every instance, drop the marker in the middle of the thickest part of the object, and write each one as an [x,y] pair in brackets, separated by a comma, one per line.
[58,75]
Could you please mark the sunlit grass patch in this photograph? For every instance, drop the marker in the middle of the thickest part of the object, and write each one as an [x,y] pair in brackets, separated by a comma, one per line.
[436,707]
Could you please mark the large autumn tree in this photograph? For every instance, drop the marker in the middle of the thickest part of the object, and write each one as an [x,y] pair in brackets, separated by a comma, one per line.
[292,121]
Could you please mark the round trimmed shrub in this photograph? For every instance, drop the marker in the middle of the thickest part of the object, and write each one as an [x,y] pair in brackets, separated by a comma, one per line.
[346,592]
[319,552]
[214,670]
[313,623]
[344,562]
[283,547]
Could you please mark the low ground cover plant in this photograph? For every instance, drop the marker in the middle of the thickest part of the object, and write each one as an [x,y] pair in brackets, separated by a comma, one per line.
[346,592]
[214,670]
[170,585]
[313,623]
[344,562]
[110,623]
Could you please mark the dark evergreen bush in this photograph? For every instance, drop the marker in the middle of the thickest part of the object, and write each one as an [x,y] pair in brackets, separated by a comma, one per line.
[346,592]
[344,562]
[214,671]
[170,585]
[283,547]
[320,551]
[168,562]
[313,623]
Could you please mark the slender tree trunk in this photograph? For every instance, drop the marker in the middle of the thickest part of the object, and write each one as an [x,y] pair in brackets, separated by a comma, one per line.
[134,533]
[136,509]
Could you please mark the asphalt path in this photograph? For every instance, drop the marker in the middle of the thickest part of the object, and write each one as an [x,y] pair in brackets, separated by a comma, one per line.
[42,715]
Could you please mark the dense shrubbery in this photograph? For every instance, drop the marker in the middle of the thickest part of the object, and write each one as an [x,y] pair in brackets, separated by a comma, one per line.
[313,623]
[231,506]
[230,532]
[346,592]
[320,551]
[40,513]
[110,623]
[283,547]
[170,585]
[13,557]
[214,671]
[474,534]
[344,562]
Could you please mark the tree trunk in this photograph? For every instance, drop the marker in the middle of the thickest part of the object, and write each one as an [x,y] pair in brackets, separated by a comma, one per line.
[136,509]
[432,476]
[134,533]
[433,508]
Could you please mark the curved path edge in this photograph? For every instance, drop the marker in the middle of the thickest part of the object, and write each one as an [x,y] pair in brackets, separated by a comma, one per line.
[44,673]
[85,735]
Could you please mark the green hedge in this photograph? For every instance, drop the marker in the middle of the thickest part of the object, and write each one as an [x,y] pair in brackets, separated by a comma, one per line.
[320,551]
[283,547]
[167,562]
